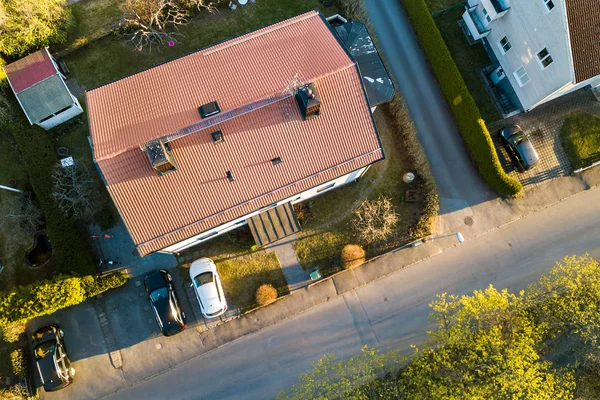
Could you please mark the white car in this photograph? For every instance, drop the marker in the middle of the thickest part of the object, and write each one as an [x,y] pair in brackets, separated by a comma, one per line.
[208,289]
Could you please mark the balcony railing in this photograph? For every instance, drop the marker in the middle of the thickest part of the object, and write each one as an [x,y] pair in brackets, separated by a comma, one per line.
[499,5]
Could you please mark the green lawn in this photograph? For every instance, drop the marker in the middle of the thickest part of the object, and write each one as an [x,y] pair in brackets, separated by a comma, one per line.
[580,137]
[113,57]
[92,19]
[468,59]
[438,5]
[329,225]
[242,269]
[11,165]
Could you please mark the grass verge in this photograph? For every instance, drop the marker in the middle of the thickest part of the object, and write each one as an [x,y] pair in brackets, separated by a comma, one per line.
[468,59]
[580,137]
[461,102]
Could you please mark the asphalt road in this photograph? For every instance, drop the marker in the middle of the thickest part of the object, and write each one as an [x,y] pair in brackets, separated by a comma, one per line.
[452,167]
[388,313]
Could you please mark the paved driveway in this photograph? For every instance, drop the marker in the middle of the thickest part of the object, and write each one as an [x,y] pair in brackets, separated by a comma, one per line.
[543,125]
[86,349]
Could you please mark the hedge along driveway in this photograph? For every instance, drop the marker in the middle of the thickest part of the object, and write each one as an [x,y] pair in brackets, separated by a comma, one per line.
[466,113]
[47,296]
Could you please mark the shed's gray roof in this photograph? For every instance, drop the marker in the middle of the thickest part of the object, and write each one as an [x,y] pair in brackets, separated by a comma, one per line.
[377,82]
[45,98]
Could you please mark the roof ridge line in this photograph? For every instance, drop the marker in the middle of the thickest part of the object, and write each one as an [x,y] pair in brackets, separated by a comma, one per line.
[284,24]
[139,145]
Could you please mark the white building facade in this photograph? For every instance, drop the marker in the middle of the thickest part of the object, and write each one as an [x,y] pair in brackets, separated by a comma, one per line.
[529,40]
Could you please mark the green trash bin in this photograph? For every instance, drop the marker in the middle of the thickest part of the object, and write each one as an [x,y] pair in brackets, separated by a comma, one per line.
[315,274]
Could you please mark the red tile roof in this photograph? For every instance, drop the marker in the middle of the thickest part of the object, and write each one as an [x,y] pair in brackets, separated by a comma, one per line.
[584,32]
[162,210]
[30,70]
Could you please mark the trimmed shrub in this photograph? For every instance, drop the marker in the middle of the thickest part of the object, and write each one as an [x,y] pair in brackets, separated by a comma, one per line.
[72,249]
[266,294]
[19,366]
[12,332]
[47,296]
[352,256]
[466,113]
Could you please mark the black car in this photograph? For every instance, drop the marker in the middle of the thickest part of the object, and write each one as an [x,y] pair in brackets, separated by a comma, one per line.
[164,302]
[519,148]
[51,358]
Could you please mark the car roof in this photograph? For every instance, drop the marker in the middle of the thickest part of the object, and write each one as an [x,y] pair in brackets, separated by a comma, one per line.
[48,371]
[527,152]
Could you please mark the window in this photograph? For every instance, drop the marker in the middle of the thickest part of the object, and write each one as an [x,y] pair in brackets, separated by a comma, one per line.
[549,4]
[487,17]
[323,188]
[521,76]
[203,279]
[504,45]
[544,58]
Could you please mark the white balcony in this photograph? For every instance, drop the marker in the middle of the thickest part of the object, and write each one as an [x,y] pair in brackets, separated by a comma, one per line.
[475,26]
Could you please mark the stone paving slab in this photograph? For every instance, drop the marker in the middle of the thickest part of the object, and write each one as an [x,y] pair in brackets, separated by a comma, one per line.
[543,125]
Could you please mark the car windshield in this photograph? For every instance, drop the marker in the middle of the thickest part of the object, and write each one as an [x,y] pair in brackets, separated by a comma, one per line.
[42,350]
[519,137]
[203,279]
[160,293]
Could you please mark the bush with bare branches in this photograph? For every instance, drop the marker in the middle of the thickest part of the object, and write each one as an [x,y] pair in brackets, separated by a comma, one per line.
[374,220]
[150,22]
[73,190]
[19,217]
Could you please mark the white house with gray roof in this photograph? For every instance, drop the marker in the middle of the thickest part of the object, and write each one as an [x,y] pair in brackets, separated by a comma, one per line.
[39,85]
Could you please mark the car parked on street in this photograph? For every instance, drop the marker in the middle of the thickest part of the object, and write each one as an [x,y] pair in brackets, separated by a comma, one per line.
[519,148]
[51,358]
[164,302]
[208,289]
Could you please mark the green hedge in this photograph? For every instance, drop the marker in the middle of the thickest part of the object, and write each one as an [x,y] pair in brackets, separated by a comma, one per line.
[466,113]
[72,248]
[47,296]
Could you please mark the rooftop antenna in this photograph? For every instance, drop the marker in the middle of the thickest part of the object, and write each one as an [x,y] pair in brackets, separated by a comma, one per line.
[294,84]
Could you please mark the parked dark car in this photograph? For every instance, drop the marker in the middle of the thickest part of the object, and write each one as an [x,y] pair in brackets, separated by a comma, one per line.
[519,148]
[51,358]
[164,302]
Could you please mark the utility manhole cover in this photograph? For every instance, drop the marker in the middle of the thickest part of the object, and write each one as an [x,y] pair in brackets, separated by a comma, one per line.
[469,221]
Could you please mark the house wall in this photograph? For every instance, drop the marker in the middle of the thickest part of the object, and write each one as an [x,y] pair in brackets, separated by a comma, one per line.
[236,223]
[64,116]
[530,27]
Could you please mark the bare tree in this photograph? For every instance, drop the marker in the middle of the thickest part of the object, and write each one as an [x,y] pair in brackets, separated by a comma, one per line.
[375,219]
[73,190]
[19,217]
[149,21]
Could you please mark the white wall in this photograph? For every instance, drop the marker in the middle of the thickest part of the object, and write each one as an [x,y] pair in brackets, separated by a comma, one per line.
[236,223]
[530,27]
[64,116]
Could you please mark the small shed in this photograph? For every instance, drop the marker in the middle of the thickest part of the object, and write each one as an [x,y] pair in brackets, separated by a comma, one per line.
[39,85]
